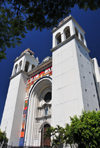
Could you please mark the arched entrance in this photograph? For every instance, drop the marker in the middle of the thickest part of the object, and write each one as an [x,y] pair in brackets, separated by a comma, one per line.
[39,111]
[45,141]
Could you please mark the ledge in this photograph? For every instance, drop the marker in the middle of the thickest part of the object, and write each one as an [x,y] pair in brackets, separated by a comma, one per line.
[42,66]
[44,105]
[43,117]
[18,74]
[69,39]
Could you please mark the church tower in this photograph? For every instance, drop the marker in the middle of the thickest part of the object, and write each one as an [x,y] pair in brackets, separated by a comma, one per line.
[12,116]
[49,93]
[73,86]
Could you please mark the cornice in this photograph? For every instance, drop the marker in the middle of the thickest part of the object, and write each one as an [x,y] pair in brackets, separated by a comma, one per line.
[40,67]
[68,40]
[23,72]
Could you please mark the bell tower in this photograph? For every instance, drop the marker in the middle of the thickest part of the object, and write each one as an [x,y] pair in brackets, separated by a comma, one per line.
[73,87]
[12,115]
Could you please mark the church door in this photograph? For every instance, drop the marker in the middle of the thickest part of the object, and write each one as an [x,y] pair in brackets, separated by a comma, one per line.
[45,141]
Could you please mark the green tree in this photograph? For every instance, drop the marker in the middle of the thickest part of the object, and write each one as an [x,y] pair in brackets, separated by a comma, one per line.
[83,131]
[19,16]
[3,139]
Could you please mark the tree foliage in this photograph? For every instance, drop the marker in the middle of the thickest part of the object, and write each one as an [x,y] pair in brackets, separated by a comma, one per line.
[3,139]
[83,131]
[19,16]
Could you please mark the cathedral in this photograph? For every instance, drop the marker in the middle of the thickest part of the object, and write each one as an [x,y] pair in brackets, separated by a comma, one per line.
[47,94]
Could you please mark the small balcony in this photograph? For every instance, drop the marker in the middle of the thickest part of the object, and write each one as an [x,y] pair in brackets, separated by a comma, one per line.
[44,112]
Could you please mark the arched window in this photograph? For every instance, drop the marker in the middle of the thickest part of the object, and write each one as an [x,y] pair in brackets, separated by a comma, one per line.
[76,32]
[20,65]
[58,38]
[16,66]
[47,97]
[26,66]
[67,32]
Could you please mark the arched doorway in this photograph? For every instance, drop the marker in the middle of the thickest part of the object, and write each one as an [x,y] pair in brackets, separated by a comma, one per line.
[45,141]
[39,111]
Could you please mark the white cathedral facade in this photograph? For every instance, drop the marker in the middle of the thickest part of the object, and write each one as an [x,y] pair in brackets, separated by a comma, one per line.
[46,94]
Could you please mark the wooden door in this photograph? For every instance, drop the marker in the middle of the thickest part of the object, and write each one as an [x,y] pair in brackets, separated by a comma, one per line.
[45,141]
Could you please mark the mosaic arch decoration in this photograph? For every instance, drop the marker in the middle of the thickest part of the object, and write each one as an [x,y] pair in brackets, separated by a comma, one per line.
[30,82]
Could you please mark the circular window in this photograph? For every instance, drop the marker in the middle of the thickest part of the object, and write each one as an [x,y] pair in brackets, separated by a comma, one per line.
[47,97]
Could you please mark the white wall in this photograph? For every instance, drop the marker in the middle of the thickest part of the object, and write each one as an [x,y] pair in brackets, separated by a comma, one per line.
[87,81]
[18,113]
[96,70]
[9,108]
[66,85]
[12,114]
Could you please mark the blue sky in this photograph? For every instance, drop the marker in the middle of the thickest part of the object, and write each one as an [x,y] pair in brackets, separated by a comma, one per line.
[41,43]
